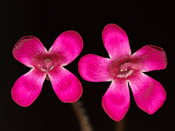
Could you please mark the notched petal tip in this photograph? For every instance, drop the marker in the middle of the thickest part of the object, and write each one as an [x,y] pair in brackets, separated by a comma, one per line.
[150,57]
[21,41]
[156,47]
[164,56]
[27,48]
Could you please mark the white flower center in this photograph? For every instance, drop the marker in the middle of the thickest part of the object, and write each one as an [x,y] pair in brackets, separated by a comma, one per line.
[124,70]
[47,65]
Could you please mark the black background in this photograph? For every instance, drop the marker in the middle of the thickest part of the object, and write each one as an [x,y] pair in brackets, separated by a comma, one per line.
[145,23]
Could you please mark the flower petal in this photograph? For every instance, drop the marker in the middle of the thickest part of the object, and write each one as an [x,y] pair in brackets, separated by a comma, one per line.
[149,94]
[66,85]
[116,41]
[69,45]
[94,68]
[27,48]
[116,100]
[28,87]
[150,58]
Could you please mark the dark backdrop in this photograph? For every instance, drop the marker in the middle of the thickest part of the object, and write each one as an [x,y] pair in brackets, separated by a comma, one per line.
[145,23]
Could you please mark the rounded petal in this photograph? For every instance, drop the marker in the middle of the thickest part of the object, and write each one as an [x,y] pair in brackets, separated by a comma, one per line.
[150,58]
[116,100]
[69,45]
[149,94]
[27,48]
[66,85]
[94,68]
[116,41]
[28,87]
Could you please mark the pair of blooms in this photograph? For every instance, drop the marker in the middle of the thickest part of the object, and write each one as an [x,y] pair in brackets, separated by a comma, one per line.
[120,68]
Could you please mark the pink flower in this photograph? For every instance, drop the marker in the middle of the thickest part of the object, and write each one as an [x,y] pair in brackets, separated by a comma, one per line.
[30,51]
[123,68]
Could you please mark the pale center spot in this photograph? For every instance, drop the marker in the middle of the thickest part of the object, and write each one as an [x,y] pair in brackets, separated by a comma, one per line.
[124,70]
[47,65]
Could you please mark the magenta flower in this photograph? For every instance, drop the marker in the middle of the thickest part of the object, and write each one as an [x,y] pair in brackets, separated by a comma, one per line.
[30,51]
[123,68]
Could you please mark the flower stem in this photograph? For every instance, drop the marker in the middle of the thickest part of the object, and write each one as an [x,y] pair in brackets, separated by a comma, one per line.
[81,116]
[119,126]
